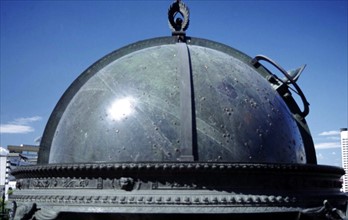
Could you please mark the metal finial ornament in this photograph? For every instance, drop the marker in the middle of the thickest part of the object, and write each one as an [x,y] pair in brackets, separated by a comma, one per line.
[178,25]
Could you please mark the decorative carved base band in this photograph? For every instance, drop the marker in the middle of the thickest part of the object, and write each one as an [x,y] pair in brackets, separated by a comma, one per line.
[164,187]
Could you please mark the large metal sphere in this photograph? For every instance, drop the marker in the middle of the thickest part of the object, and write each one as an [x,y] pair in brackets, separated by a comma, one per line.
[125,108]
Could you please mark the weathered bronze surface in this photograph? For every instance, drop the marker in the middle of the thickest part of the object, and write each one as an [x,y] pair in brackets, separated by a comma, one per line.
[130,109]
[178,127]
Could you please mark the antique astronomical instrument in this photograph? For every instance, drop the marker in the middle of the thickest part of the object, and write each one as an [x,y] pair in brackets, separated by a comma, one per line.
[179,126]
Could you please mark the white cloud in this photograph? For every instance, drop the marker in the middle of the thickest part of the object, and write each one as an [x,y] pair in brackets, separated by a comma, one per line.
[327,145]
[24,121]
[335,138]
[15,129]
[3,151]
[328,139]
[329,133]
[19,126]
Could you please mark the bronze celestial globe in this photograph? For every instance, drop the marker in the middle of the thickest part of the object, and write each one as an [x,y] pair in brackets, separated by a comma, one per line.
[176,127]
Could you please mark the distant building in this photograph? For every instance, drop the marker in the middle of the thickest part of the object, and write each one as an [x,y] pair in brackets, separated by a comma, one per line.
[4,174]
[18,156]
[344,147]
[23,154]
[3,159]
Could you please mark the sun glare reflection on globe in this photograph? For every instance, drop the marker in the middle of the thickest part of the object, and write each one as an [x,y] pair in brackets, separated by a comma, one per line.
[121,108]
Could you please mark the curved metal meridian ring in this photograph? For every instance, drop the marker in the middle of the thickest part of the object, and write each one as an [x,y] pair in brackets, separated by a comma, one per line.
[187,116]
[305,111]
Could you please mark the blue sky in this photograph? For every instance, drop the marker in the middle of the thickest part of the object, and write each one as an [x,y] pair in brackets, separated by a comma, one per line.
[45,45]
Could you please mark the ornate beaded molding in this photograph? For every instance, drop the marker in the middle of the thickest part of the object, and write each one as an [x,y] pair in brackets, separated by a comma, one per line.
[232,200]
[178,176]
[49,169]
